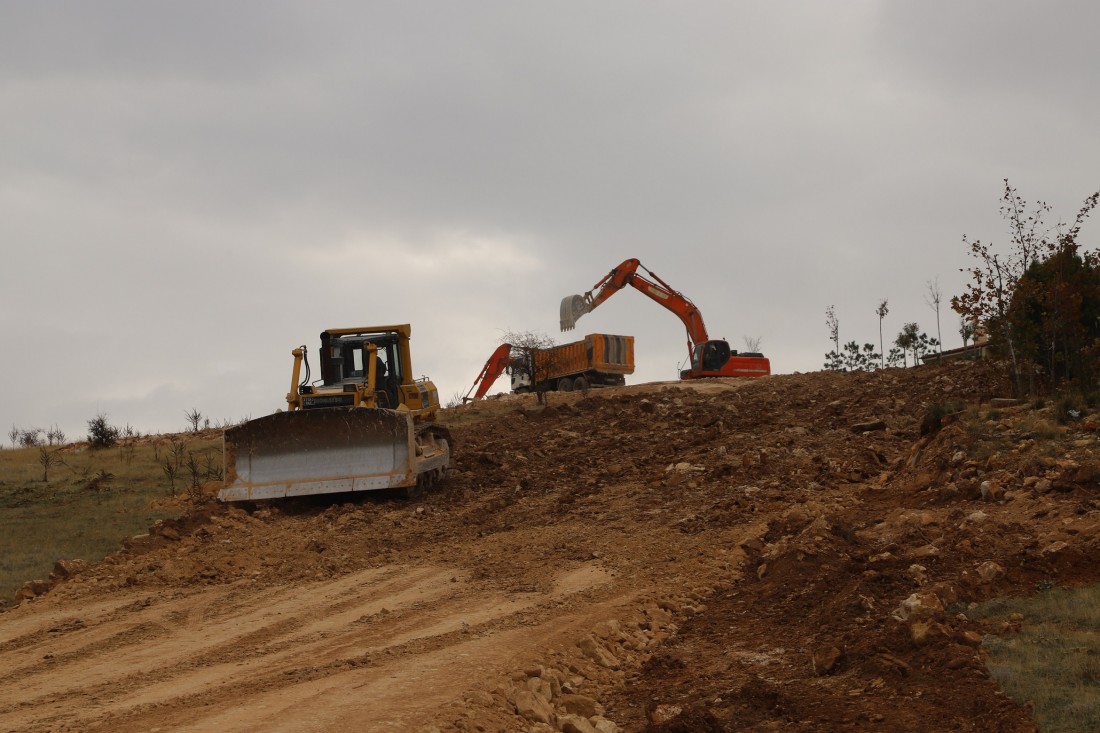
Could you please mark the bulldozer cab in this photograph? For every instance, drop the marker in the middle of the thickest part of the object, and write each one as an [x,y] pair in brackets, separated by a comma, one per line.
[345,361]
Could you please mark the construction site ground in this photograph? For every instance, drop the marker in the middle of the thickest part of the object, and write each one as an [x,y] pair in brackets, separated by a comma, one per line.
[793,553]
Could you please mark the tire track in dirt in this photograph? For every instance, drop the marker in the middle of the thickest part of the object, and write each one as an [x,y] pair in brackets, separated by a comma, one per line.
[287,644]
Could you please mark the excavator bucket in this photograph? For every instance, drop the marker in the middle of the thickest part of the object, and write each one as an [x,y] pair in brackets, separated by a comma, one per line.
[572,308]
[324,451]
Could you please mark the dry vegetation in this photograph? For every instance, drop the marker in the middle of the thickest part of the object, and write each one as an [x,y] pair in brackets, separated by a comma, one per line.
[93,498]
[1048,656]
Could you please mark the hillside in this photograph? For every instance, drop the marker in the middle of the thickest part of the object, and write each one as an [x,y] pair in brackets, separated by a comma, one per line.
[793,553]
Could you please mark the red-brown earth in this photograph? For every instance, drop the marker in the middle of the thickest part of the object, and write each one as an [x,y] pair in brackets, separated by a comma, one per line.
[791,553]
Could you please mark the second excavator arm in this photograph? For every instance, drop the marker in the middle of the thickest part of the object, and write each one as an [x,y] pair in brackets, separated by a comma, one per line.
[493,368]
[575,306]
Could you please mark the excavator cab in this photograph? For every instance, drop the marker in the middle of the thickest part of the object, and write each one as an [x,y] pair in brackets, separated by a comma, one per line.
[710,356]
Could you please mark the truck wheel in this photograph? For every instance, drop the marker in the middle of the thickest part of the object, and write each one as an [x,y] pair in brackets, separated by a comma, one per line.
[565,384]
[580,384]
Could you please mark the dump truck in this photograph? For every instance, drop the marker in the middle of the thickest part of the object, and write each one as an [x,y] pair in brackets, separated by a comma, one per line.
[598,360]
[365,425]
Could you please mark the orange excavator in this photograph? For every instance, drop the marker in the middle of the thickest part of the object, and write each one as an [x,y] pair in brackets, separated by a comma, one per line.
[709,357]
[493,368]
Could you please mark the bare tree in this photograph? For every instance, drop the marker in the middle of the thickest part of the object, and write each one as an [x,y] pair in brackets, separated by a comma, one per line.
[881,312]
[834,327]
[933,298]
[14,434]
[532,358]
[178,447]
[47,458]
[194,469]
[194,417]
[99,483]
[170,470]
[752,344]
[55,435]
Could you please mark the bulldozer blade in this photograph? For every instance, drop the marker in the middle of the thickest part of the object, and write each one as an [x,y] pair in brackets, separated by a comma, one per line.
[320,451]
[572,308]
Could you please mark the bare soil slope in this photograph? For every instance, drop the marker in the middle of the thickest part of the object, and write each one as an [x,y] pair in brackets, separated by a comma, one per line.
[792,553]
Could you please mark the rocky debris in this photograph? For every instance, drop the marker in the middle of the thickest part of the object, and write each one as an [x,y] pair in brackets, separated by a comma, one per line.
[32,588]
[769,565]
[533,707]
[826,659]
[67,569]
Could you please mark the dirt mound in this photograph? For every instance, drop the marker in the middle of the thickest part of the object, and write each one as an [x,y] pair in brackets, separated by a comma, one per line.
[797,552]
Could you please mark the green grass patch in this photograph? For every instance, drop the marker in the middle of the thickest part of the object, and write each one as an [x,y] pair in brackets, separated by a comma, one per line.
[92,500]
[1054,661]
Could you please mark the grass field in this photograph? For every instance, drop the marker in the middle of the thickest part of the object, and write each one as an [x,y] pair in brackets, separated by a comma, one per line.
[1053,663]
[86,501]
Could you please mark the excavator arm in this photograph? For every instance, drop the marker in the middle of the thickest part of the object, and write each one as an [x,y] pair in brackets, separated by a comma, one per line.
[575,306]
[493,368]
[707,358]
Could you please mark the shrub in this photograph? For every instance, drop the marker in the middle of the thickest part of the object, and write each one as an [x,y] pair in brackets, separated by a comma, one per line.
[101,434]
[1067,408]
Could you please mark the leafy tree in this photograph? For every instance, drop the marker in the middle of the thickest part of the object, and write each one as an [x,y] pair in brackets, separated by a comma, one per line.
[1055,313]
[996,277]
[853,358]
[924,345]
[966,331]
[907,340]
[856,359]
[101,434]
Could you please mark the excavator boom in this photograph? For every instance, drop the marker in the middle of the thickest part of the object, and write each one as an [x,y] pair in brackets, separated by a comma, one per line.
[708,358]
[575,306]
[492,370]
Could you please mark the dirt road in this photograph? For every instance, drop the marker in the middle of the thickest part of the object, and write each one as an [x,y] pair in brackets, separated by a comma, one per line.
[729,555]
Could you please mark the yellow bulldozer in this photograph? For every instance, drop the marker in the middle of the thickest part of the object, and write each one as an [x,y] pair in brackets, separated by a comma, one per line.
[365,425]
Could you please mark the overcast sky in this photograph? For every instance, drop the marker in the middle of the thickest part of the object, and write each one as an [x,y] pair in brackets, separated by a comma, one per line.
[190,190]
